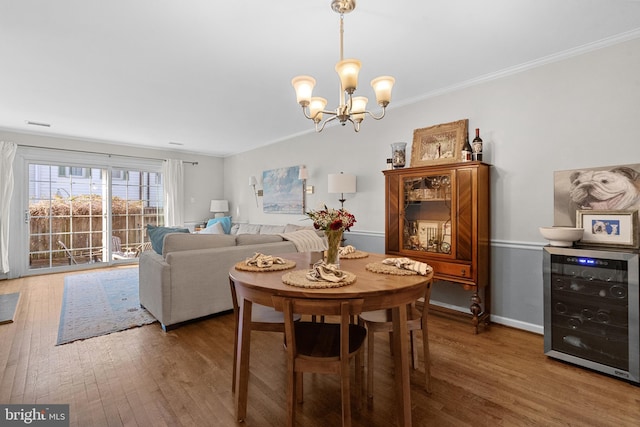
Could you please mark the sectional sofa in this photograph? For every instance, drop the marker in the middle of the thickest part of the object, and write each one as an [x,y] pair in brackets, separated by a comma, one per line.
[189,279]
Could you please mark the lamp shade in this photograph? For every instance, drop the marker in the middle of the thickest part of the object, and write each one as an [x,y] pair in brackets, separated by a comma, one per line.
[304,88]
[303,173]
[348,70]
[316,107]
[342,183]
[382,87]
[219,206]
[358,107]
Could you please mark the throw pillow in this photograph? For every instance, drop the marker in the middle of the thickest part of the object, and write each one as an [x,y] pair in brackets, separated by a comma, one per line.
[215,228]
[225,221]
[156,235]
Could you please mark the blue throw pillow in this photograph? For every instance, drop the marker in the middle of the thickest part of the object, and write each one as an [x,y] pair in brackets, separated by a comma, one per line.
[156,235]
[225,221]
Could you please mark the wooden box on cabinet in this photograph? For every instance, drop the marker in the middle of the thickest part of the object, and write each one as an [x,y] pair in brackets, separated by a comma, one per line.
[440,215]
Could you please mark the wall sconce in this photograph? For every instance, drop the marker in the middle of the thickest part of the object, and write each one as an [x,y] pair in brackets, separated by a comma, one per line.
[253,182]
[303,174]
[342,183]
[219,207]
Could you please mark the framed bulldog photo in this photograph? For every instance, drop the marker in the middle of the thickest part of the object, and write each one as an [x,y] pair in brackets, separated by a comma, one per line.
[607,188]
[608,228]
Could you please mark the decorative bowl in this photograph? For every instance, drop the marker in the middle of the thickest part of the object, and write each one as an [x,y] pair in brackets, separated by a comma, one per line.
[561,236]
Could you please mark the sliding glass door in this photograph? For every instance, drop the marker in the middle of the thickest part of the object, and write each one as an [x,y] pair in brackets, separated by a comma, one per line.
[85,214]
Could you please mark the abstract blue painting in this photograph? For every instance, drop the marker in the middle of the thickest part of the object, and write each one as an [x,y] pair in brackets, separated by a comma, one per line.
[283,192]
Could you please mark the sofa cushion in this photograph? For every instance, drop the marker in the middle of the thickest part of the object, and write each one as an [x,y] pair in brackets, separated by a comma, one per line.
[225,221]
[289,228]
[256,239]
[157,234]
[215,228]
[271,229]
[187,242]
[249,229]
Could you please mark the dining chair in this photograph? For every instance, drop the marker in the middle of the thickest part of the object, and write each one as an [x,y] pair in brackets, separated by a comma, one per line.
[321,347]
[380,321]
[263,318]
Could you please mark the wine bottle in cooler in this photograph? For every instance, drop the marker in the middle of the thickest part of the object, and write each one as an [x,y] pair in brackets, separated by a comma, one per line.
[476,146]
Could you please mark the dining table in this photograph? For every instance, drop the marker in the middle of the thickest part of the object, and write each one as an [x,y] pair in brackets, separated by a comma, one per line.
[378,291]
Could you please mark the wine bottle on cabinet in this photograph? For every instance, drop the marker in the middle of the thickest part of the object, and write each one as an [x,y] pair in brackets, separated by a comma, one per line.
[466,150]
[477,147]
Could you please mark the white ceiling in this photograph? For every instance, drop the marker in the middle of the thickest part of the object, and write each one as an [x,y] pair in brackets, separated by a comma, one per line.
[215,75]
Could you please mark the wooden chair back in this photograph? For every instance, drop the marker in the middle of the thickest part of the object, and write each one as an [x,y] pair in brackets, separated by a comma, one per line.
[321,347]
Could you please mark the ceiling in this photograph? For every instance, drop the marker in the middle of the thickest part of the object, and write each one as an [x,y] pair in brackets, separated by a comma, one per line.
[213,77]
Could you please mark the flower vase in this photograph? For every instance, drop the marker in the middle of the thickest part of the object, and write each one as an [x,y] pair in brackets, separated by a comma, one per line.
[334,238]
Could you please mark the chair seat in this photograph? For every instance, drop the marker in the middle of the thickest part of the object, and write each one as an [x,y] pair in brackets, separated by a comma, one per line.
[323,339]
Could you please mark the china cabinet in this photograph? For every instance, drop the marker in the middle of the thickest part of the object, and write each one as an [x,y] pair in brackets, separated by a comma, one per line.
[440,215]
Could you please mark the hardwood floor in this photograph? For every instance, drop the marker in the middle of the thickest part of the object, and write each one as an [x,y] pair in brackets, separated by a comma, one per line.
[145,377]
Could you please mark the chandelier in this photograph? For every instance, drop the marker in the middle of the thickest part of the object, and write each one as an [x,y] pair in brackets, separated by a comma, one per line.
[351,108]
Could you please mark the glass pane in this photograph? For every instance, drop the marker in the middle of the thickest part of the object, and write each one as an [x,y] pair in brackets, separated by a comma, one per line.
[65,215]
[427,213]
[137,200]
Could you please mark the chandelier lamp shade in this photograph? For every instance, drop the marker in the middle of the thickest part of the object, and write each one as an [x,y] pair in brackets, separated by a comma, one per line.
[351,108]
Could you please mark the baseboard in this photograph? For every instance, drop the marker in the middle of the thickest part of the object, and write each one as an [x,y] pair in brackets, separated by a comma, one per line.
[517,324]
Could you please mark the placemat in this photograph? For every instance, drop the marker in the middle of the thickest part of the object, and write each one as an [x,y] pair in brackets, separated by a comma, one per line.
[299,279]
[355,255]
[275,267]
[378,267]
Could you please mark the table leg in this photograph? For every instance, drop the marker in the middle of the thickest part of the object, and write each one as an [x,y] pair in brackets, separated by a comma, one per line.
[242,359]
[401,364]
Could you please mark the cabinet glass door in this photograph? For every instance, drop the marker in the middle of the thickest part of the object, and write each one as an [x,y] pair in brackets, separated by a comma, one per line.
[427,219]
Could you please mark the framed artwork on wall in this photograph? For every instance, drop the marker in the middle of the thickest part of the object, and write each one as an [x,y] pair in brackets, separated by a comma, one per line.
[283,192]
[438,144]
[608,188]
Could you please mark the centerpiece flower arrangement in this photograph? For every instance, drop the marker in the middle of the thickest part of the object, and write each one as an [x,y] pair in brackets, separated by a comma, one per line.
[333,222]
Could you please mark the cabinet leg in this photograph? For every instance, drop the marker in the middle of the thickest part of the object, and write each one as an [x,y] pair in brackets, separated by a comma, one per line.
[475,309]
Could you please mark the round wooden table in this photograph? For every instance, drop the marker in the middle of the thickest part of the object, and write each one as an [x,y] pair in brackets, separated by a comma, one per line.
[379,291]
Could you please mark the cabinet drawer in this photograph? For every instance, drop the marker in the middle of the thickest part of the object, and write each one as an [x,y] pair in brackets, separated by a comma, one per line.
[444,269]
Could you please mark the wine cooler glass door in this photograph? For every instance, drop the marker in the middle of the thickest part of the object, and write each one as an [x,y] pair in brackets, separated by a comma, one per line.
[591,309]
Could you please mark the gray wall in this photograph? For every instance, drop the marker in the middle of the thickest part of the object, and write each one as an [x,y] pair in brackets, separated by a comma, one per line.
[582,111]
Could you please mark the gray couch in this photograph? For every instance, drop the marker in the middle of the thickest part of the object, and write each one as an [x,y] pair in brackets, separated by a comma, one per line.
[191,278]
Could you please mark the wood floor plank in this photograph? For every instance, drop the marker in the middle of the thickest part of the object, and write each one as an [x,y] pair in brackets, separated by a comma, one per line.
[144,376]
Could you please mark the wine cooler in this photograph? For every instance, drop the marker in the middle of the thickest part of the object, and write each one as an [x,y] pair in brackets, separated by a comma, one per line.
[591,304]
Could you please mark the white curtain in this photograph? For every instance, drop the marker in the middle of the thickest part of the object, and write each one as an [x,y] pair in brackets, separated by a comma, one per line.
[7,154]
[173,178]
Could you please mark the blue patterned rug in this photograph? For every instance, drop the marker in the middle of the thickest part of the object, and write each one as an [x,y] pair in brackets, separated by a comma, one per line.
[100,303]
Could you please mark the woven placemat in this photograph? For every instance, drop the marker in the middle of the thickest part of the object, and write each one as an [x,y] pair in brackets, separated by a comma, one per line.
[378,267]
[355,255]
[275,267]
[299,279]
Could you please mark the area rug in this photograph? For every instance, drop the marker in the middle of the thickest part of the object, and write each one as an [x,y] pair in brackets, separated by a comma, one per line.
[8,304]
[100,303]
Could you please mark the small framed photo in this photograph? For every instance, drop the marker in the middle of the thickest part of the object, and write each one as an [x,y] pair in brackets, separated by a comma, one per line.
[608,228]
[428,234]
[438,144]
